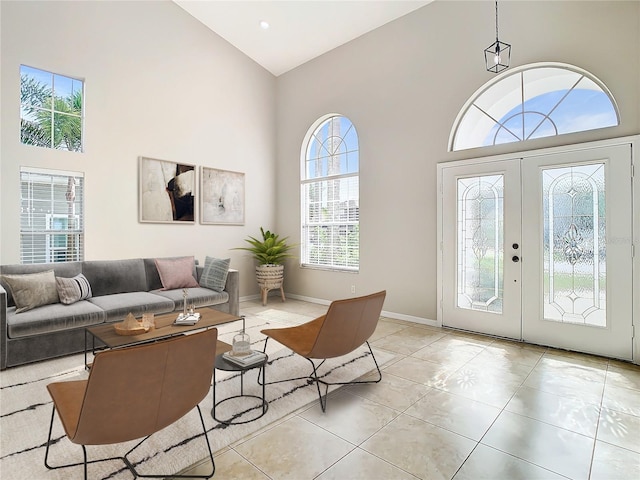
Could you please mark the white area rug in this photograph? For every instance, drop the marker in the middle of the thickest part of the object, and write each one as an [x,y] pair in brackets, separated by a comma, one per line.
[25,410]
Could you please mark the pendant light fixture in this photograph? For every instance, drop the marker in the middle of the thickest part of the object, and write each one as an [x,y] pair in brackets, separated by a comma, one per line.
[498,54]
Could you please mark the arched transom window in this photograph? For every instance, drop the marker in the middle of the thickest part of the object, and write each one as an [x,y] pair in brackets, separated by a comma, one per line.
[534,101]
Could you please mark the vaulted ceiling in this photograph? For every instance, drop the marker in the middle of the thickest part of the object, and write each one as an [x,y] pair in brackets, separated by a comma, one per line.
[298,31]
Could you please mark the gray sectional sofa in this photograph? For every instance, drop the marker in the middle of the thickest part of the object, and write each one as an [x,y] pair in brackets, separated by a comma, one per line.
[118,287]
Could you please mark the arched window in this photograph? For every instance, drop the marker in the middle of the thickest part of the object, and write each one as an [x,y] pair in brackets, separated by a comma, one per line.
[534,101]
[330,195]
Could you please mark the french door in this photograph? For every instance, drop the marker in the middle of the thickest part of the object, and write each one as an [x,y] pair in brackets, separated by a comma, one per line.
[481,248]
[539,249]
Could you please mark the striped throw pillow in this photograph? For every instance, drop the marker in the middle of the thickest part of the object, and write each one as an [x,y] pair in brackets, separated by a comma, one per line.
[71,290]
[214,274]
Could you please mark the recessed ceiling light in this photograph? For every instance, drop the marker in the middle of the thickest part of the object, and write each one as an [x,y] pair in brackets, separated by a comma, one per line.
[264,24]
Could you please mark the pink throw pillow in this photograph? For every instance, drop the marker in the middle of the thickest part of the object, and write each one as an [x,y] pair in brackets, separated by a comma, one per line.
[176,272]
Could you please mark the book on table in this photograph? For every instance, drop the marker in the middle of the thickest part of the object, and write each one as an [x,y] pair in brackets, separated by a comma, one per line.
[245,360]
[188,319]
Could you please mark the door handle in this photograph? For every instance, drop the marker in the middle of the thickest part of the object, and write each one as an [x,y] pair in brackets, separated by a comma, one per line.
[515,258]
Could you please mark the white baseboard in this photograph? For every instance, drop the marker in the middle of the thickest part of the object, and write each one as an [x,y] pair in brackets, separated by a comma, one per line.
[385,313]
[320,301]
[249,298]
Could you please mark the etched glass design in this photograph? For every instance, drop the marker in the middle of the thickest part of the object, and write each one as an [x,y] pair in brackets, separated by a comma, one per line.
[574,244]
[480,223]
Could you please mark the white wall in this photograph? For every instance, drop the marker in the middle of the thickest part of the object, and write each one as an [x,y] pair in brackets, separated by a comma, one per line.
[158,84]
[402,85]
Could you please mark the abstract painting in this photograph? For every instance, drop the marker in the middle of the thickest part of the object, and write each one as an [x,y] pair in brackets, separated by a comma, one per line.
[167,191]
[222,197]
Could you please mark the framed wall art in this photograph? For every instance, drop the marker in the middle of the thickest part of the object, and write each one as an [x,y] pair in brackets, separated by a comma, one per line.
[167,191]
[222,197]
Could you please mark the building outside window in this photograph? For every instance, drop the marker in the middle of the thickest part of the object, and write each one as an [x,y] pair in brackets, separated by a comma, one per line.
[51,110]
[51,216]
[330,196]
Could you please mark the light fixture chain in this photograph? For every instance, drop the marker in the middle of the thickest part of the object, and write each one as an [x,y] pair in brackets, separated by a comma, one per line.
[496,20]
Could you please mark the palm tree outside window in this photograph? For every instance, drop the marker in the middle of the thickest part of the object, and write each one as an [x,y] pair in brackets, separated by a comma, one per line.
[51,113]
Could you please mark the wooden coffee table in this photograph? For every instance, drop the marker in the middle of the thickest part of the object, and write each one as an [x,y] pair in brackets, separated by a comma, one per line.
[106,334]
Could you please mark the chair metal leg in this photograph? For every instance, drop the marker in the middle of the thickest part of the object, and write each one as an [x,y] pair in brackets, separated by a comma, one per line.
[46,452]
[315,378]
[84,452]
[264,350]
[124,458]
[309,378]
[323,399]
[323,404]
[131,466]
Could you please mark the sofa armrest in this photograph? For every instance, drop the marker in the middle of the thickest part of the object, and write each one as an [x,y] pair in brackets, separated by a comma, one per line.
[233,289]
[3,328]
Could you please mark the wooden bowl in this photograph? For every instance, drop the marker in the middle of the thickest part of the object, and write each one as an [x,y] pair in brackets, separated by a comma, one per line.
[120,330]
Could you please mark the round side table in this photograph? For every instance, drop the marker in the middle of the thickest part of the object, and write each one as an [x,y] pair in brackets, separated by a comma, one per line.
[263,405]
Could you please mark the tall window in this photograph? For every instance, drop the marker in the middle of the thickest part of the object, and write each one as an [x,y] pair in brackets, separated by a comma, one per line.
[51,216]
[331,196]
[534,101]
[50,110]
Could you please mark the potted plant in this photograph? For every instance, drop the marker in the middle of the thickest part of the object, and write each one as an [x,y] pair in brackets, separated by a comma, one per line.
[270,251]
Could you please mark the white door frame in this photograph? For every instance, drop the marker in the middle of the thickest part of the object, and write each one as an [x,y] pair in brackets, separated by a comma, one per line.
[505,321]
[634,141]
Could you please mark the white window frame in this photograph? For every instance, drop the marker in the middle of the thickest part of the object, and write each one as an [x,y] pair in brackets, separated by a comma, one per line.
[45,196]
[52,252]
[485,109]
[27,109]
[347,223]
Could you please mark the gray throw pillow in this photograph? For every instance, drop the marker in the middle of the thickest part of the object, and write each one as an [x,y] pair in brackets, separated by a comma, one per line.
[73,289]
[214,274]
[32,290]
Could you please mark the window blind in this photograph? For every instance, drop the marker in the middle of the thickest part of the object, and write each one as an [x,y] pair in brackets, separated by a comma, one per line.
[330,195]
[51,216]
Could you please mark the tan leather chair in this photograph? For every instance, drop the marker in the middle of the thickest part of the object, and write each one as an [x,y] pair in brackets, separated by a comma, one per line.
[347,325]
[134,392]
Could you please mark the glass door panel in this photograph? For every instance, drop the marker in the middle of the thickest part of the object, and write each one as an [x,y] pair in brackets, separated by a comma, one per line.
[577,261]
[575,250]
[480,237]
[480,241]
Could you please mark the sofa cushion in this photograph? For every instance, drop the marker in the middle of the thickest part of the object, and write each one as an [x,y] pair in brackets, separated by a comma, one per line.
[60,269]
[71,290]
[198,296]
[32,290]
[117,306]
[115,276]
[52,318]
[214,275]
[176,272]
[153,277]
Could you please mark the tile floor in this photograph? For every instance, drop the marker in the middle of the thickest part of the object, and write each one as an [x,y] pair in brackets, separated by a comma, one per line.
[455,406]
